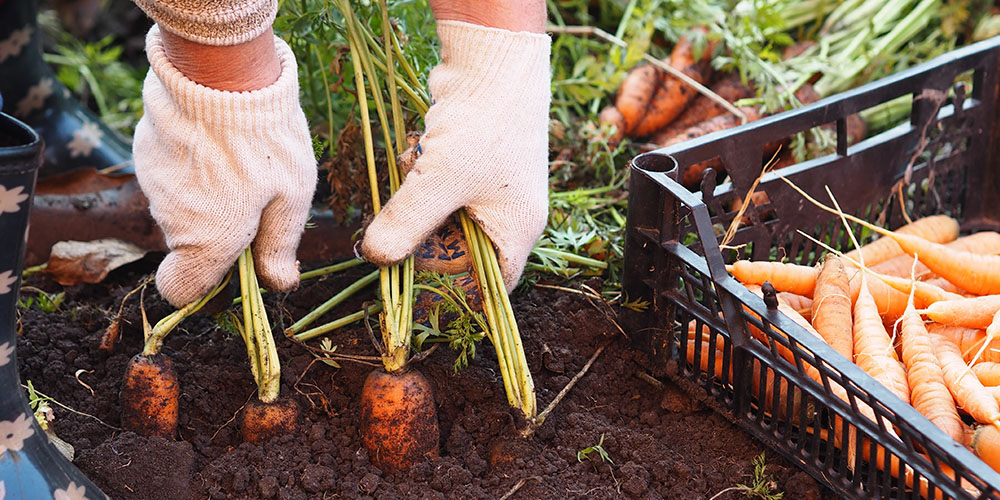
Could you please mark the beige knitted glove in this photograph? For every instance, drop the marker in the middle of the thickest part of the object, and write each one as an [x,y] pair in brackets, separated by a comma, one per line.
[222,170]
[485,148]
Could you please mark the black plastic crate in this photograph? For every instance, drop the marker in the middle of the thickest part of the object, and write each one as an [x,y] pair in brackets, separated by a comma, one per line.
[674,260]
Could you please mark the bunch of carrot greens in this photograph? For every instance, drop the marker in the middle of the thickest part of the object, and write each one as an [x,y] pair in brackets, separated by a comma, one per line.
[372,62]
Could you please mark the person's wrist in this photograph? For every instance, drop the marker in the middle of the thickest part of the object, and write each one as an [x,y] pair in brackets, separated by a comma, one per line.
[237,68]
[511,15]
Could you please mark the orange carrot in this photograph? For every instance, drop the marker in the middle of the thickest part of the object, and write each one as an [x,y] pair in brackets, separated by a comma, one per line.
[933,279]
[399,424]
[986,445]
[968,341]
[971,396]
[262,421]
[988,372]
[936,228]
[983,242]
[635,93]
[889,303]
[970,312]
[704,108]
[792,278]
[672,95]
[831,307]
[992,332]
[612,117]
[928,392]
[924,293]
[979,274]
[873,351]
[801,303]
[150,396]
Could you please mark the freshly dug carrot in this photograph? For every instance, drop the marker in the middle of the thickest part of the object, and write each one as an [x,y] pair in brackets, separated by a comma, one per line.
[611,116]
[936,228]
[704,108]
[983,242]
[672,95]
[831,307]
[971,396]
[928,392]
[793,278]
[970,312]
[985,443]
[262,421]
[635,94]
[988,372]
[150,396]
[873,351]
[399,424]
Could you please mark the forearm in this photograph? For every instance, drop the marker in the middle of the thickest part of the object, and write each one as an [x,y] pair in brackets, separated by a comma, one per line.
[222,44]
[248,66]
[512,15]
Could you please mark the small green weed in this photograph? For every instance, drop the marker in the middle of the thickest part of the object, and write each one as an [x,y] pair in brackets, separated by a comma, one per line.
[45,302]
[762,485]
[598,448]
[40,406]
[463,331]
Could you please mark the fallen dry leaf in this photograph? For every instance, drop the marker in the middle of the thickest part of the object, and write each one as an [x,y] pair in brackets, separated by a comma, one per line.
[72,262]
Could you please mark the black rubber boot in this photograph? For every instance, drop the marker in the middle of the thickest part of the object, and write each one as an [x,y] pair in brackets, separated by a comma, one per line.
[74,137]
[30,466]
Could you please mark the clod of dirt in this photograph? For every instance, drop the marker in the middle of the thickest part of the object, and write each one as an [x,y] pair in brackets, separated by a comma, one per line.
[802,486]
[131,466]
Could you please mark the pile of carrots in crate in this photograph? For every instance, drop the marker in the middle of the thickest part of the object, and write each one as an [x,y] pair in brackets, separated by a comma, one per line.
[917,309]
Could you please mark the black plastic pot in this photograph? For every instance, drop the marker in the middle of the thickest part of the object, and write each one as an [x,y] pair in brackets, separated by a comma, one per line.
[30,466]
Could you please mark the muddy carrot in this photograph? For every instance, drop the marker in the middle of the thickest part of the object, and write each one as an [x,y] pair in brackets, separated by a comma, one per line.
[704,108]
[398,419]
[672,95]
[150,396]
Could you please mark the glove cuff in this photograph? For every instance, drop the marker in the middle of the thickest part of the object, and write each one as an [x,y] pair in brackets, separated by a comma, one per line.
[480,51]
[167,88]
[219,22]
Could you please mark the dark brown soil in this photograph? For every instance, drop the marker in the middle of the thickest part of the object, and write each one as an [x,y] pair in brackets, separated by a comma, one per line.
[663,444]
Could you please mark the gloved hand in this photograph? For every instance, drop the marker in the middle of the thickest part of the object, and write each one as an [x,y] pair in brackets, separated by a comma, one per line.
[221,170]
[485,148]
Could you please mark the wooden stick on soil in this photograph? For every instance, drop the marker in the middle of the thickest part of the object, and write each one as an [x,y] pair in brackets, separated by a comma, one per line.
[524,480]
[540,419]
